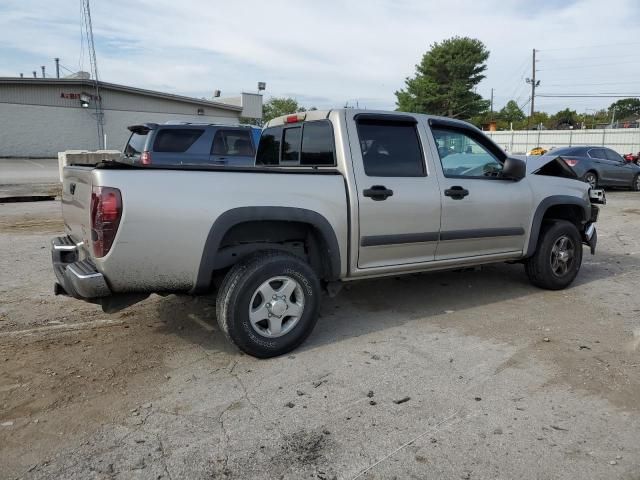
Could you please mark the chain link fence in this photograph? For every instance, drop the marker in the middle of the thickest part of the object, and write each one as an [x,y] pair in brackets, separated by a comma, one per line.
[521,141]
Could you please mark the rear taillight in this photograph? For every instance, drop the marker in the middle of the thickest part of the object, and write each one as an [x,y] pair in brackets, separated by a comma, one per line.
[106,210]
[145,158]
[571,163]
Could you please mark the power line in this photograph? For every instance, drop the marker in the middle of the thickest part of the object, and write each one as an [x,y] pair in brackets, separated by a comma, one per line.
[590,84]
[583,66]
[589,46]
[592,57]
[553,95]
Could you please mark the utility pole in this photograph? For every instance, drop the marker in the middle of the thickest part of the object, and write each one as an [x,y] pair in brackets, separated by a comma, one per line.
[534,83]
[492,104]
[99,112]
[43,74]
[57,60]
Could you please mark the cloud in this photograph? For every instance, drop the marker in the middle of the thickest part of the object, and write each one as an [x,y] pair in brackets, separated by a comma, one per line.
[327,53]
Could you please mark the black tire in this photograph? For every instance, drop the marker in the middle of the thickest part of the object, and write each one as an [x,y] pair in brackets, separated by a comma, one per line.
[635,186]
[540,267]
[240,289]
[591,178]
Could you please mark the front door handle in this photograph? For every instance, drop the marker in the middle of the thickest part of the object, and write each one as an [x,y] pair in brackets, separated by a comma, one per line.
[378,192]
[456,193]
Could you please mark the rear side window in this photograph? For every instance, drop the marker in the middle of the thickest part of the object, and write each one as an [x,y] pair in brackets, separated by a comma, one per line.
[176,140]
[597,153]
[390,148]
[232,143]
[136,144]
[310,145]
[317,144]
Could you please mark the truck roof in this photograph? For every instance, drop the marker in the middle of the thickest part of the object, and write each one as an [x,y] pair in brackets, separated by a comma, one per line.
[323,114]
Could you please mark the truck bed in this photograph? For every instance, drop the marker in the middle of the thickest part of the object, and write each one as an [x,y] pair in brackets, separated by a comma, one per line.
[168,214]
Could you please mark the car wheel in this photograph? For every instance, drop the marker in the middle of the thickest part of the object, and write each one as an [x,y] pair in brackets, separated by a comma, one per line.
[268,303]
[591,178]
[558,256]
[635,186]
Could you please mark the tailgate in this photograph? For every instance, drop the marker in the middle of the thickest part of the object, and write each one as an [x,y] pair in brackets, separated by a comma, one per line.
[76,202]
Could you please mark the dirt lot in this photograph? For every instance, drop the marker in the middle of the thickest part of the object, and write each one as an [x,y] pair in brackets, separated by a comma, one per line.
[458,375]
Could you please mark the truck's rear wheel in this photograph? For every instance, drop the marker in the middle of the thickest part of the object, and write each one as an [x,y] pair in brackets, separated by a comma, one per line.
[268,303]
[558,256]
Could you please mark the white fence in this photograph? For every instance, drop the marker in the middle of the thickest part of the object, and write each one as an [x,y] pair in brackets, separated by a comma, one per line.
[521,141]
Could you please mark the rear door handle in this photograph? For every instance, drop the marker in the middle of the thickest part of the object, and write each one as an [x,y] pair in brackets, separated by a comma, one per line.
[72,188]
[378,192]
[456,193]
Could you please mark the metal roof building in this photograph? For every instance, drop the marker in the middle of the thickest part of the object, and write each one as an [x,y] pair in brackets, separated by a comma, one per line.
[42,116]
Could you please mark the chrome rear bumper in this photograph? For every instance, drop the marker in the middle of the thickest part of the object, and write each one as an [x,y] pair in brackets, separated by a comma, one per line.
[76,278]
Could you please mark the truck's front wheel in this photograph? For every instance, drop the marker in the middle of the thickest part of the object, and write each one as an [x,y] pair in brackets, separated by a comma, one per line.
[268,303]
[558,256]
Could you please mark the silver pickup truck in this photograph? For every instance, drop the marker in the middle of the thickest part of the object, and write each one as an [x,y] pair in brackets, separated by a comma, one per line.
[335,196]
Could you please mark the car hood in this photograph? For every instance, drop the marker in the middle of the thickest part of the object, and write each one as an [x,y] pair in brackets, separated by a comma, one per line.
[550,164]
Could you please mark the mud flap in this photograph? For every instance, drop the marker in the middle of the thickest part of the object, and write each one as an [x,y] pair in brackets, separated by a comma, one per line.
[592,242]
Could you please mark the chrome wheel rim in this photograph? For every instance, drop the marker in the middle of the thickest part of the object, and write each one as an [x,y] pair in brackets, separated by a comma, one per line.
[638,183]
[591,180]
[562,256]
[276,307]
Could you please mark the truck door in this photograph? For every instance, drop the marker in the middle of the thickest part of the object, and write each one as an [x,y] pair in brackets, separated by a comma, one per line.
[482,214]
[398,196]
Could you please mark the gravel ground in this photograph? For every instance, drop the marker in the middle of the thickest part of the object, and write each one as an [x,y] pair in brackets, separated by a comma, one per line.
[458,375]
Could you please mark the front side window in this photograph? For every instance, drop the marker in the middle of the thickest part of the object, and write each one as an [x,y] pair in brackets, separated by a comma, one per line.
[611,155]
[462,156]
[232,143]
[390,148]
[177,140]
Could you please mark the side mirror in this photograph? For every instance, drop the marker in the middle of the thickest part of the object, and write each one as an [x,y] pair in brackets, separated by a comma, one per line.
[514,169]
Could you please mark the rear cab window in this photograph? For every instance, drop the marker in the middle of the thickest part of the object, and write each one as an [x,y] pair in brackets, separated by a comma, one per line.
[306,144]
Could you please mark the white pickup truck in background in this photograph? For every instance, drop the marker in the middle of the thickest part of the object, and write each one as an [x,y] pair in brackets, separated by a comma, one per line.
[335,196]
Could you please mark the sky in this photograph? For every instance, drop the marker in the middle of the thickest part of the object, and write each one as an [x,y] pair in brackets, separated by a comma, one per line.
[330,53]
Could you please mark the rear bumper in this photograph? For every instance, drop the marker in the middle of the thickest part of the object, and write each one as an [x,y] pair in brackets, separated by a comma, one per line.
[74,277]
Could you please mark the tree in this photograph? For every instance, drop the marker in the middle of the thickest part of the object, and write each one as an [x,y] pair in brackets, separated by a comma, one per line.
[445,80]
[511,113]
[277,107]
[564,119]
[626,108]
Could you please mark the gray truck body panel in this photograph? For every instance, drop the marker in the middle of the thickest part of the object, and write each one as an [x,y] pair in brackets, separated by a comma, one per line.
[173,220]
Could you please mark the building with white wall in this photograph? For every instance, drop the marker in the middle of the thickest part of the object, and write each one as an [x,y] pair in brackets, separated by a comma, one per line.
[42,116]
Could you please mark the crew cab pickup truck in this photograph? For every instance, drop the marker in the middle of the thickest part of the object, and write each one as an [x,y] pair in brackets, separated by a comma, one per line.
[335,196]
